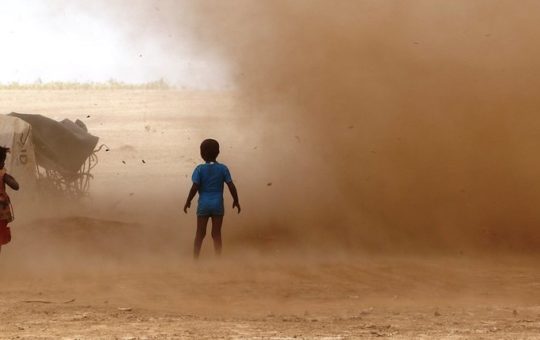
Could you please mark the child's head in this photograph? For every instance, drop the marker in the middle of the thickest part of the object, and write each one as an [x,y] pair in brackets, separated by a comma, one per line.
[209,150]
[3,155]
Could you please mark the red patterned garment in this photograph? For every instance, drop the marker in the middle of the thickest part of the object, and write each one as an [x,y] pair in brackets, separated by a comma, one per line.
[6,213]
[5,233]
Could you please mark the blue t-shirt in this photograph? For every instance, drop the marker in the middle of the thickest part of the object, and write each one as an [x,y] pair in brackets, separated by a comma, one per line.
[210,177]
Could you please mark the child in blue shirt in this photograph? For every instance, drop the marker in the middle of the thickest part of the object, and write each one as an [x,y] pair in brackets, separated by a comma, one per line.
[208,181]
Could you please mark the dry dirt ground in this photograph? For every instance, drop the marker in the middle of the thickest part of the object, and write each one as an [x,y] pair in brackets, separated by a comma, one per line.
[277,298]
[118,264]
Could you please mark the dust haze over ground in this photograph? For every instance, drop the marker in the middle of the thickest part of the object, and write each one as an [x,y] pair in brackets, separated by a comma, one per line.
[356,131]
[416,121]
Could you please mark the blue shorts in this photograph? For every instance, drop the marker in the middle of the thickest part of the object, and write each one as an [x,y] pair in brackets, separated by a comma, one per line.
[210,206]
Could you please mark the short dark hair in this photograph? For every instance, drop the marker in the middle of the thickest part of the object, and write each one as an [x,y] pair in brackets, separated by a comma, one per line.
[3,154]
[209,150]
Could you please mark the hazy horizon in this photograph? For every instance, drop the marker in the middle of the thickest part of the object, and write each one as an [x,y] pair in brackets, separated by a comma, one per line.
[80,42]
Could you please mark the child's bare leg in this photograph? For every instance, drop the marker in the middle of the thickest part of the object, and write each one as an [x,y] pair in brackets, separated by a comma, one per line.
[217,221]
[202,221]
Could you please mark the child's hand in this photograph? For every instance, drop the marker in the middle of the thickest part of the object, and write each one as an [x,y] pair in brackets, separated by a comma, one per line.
[187,206]
[236,205]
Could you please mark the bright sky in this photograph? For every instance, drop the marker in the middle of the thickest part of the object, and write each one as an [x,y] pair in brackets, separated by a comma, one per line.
[56,40]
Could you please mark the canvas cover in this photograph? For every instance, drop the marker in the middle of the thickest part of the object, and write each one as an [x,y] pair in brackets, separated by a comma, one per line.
[16,134]
[60,146]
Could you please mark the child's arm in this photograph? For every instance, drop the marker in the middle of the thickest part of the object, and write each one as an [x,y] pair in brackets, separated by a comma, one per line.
[234,194]
[11,182]
[192,193]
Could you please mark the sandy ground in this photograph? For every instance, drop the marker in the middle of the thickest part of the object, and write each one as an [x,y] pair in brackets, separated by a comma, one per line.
[300,298]
[119,265]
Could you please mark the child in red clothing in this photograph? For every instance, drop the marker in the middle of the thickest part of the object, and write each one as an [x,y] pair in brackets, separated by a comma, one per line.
[6,213]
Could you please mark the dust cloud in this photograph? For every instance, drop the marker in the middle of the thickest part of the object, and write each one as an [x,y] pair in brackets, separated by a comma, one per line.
[389,125]
[360,125]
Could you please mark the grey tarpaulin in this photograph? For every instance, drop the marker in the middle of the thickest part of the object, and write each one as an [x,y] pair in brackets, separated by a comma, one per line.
[62,146]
